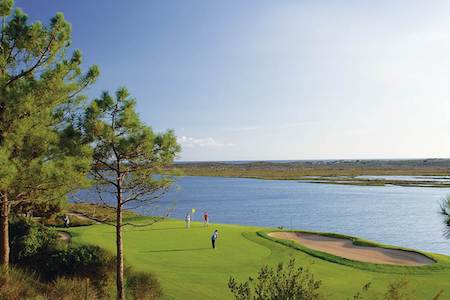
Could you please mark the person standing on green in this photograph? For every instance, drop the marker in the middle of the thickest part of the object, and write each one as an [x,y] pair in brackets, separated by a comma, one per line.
[188,220]
[214,238]
[66,221]
[206,218]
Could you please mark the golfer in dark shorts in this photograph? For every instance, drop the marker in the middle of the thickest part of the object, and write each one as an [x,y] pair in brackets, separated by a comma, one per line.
[214,238]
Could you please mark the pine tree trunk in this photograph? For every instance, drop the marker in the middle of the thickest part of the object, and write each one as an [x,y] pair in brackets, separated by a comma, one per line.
[119,245]
[4,230]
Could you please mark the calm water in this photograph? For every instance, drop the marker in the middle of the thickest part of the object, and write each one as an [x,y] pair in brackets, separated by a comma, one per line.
[404,216]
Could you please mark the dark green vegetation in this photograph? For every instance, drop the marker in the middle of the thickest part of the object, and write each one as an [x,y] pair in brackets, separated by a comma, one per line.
[325,171]
[187,267]
[40,84]
[445,212]
[17,284]
[287,282]
[45,266]
[36,248]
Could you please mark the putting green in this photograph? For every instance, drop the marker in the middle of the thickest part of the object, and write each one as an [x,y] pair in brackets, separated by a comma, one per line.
[189,269]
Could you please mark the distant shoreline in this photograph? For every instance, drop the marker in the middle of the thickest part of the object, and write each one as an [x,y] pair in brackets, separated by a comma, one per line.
[328,171]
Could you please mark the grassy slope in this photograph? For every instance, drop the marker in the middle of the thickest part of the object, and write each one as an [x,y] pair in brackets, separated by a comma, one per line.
[189,269]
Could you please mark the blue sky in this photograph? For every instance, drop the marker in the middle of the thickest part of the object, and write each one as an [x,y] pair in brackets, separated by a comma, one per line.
[253,80]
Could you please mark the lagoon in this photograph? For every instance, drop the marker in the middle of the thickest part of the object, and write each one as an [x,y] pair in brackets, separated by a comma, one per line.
[403,216]
[396,215]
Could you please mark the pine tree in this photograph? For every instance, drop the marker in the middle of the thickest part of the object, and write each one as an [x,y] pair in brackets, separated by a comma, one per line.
[128,159]
[40,158]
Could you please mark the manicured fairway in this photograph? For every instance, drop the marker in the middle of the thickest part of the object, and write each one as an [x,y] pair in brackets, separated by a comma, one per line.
[189,269]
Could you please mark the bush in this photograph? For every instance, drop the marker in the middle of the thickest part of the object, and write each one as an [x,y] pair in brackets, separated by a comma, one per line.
[70,271]
[79,261]
[84,261]
[396,290]
[29,239]
[17,285]
[143,286]
[72,289]
[37,249]
[289,282]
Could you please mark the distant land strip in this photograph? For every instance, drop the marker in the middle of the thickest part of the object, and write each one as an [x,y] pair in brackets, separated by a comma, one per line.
[329,171]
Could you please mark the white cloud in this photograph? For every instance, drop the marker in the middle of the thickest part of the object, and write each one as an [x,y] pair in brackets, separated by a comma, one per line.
[209,142]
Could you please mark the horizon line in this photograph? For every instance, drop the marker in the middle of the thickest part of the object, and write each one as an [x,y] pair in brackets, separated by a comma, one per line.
[319,159]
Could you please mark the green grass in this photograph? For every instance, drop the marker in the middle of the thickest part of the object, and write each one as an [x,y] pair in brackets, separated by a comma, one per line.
[189,269]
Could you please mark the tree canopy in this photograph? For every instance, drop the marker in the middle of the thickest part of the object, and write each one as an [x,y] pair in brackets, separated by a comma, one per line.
[128,160]
[127,150]
[40,86]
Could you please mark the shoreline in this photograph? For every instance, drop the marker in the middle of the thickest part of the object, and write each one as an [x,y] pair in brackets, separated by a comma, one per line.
[338,180]
[346,172]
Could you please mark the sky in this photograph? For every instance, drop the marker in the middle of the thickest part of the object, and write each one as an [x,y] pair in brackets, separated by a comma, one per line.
[275,80]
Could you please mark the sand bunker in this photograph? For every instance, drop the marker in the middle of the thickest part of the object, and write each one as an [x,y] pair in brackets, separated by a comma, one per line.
[345,248]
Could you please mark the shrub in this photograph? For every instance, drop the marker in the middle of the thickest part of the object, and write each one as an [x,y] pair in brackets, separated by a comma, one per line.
[36,248]
[71,272]
[84,261]
[17,285]
[290,282]
[72,289]
[396,290]
[143,286]
[29,239]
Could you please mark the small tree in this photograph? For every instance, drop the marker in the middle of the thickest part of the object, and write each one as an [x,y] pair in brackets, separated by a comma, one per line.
[128,160]
[290,282]
[39,86]
[396,290]
[445,212]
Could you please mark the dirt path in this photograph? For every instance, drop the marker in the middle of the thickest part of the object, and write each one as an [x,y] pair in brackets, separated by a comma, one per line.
[345,248]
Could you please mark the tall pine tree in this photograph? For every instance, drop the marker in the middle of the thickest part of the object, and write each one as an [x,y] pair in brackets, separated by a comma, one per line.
[41,159]
[128,160]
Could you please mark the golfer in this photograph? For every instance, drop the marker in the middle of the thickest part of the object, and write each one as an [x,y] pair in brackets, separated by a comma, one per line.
[214,238]
[188,220]
[66,221]
[205,218]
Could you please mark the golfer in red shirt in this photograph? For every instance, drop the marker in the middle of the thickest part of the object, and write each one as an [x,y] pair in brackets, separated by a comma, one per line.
[205,218]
